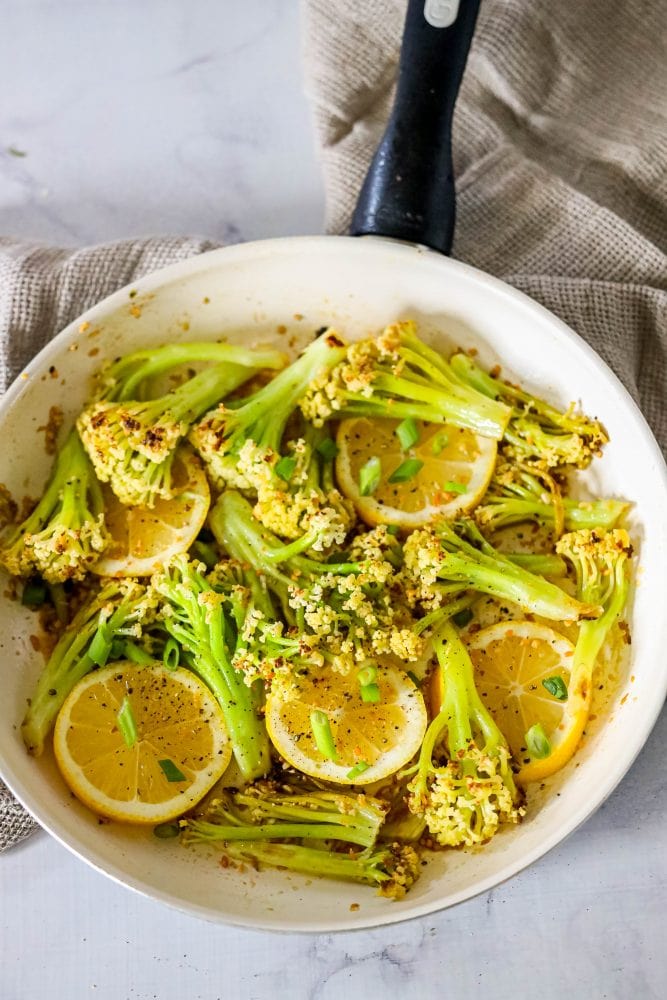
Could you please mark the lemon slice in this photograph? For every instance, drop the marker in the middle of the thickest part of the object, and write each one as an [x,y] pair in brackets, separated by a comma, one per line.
[145,538]
[181,749]
[384,735]
[511,660]
[457,466]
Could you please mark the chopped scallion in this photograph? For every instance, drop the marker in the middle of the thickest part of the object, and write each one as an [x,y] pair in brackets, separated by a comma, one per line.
[127,723]
[171,654]
[100,645]
[370,693]
[369,476]
[451,486]
[327,448]
[357,770]
[392,529]
[170,771]
[537,742]
[163,831]
[406,470]
[34,593]
[407,433]
[367,675]
[462,618]
[319,723]
[439,442]
[286,467]
[556,686]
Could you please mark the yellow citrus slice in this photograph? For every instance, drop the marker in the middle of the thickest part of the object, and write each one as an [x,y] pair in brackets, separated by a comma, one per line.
[181,747]
[144,538]
[456,466]
[384,735]
[512,659]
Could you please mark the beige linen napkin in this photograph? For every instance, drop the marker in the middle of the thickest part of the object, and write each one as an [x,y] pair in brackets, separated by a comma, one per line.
[560,147]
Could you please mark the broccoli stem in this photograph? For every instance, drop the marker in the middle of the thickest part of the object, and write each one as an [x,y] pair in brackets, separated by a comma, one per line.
[128,373]
[492,573]
[117,604]
[244,538]
[317,816]
[368,866]
[196,619]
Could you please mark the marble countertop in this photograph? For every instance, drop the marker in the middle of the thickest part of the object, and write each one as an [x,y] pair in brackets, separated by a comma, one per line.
[167,117]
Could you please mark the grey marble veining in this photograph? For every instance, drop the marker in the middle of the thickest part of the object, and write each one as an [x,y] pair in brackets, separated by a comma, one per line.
[165,116]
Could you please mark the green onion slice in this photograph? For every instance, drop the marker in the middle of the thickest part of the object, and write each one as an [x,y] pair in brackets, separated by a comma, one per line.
[357,770]
[556,686]
[407,433]
[367,675]
[462,618]
[286,467]
[392,529]
[451,486]
[406,470]
[370,693]
[327,448]
[100,645]
[171,654]
[34,594]
[319,723]
[170,771]
[127,723]
[369,476]
[439,442]
[537,742]
[163,831]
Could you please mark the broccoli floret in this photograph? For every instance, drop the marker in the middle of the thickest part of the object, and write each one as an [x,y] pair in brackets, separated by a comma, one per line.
[132,443]
[393,868]
[240,441]
[303,497]
[349,605]
[128,378]
[465,799]
[460,556]
[519,493]
[537,432]
[397,375]
[261,812]
[65,533]
[122,608]
[206,623]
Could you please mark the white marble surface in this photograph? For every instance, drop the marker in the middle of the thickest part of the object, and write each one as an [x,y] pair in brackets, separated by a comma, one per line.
[165,116]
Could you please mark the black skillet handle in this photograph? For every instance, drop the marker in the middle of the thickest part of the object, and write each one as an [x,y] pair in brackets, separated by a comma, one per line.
[409,189]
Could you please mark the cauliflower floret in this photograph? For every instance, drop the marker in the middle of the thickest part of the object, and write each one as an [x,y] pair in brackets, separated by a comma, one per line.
[464,809]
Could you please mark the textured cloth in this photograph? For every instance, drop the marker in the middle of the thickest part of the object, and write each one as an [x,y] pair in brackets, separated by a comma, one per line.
[560,145]
[42,289]
[560,157]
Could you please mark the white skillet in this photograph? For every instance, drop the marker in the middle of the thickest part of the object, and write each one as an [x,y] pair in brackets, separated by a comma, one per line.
[282,291]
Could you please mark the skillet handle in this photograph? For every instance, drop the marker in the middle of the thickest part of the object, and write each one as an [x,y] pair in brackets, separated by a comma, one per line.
[409,188]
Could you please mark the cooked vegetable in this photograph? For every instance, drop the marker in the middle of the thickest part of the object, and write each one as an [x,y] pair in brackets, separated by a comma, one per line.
[397,375]
[121,608]
[132,443]
[536,432]
[65,533]
[206,624]
[465,799]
